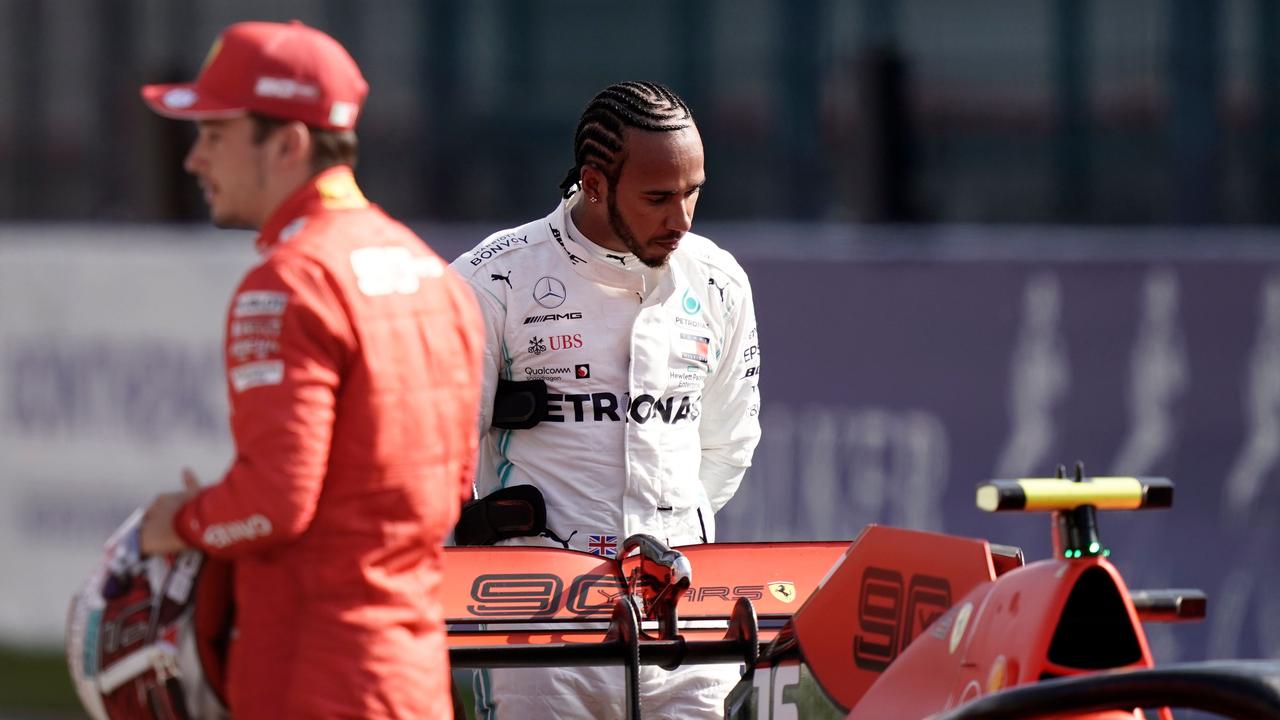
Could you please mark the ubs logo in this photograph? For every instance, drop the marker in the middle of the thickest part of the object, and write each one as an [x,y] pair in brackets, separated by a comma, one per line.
[565,342]
[549,292]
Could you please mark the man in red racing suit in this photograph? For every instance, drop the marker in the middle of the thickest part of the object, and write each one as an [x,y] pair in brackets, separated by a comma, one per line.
[353,356]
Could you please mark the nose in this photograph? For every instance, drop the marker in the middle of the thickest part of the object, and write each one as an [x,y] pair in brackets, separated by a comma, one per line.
[681,217]
[194,159]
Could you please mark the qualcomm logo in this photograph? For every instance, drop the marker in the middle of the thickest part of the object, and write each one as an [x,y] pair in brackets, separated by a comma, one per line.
[549,292]
[690,303]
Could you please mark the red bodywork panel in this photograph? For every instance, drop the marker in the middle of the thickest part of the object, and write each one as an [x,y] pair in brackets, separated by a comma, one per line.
[907,623]
[1051,618]
[911,623]
[497,585]
[891,584]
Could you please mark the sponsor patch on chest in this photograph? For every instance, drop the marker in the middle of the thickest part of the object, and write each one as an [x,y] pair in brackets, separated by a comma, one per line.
[539,344]
[496,247]
[260,303]
[693,347]
[257,374]
[603,545]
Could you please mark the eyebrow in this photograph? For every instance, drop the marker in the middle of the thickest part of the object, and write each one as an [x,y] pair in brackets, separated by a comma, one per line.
[668,193]
[213,123]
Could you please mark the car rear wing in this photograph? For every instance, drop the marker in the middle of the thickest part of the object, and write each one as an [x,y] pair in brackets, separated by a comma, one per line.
[547,600]
[538,606]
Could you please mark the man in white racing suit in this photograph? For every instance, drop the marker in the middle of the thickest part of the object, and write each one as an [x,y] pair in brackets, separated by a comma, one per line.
[645,337]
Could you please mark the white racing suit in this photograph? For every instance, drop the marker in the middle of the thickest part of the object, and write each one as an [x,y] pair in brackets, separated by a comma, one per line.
[651,421]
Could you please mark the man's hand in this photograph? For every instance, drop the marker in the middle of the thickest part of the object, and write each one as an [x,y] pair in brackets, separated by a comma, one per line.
[157,536]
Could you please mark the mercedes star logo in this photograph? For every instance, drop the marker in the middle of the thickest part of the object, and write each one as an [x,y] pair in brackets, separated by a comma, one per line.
[549,292]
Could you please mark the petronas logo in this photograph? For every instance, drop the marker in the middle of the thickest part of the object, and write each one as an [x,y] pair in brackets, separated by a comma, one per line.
[691,304]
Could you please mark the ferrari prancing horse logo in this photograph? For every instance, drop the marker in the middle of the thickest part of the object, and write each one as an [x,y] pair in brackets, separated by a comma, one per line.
[783,590]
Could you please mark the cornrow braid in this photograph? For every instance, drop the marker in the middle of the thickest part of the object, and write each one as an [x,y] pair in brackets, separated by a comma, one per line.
[639,105]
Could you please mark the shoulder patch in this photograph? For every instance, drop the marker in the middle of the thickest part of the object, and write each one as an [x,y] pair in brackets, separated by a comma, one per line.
[256,374]
[392,270]
[260,303]
[495,246]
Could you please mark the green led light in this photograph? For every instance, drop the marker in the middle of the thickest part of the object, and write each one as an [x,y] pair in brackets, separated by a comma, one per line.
[1106,553]
[1094,548]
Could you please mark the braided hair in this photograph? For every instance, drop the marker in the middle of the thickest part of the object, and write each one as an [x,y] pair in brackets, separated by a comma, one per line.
[640,105]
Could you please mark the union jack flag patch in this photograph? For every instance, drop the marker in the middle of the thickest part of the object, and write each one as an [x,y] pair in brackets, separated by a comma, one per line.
[606,545]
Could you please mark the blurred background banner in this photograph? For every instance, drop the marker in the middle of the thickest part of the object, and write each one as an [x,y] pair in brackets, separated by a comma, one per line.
[111,369]
[986,238]
[901,367]
[892,384]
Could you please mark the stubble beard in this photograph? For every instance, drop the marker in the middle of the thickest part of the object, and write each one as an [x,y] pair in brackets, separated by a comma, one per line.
[620,228]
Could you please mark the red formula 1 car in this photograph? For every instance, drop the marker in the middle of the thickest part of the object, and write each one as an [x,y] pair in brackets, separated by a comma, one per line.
[898,624]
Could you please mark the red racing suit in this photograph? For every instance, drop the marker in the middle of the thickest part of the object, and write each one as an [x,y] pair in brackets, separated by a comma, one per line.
[353,367]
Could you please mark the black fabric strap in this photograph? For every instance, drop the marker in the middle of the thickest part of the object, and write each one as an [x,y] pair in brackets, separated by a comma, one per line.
[519,404]
[516,511]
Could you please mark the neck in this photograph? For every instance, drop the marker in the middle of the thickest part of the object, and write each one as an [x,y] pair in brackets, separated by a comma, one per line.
[591,221]
[276,190]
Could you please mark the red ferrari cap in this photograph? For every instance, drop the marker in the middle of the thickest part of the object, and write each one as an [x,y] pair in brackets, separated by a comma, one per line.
[282,70]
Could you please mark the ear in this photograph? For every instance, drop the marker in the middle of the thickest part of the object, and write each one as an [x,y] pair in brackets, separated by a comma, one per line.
[293,145]
[594,183]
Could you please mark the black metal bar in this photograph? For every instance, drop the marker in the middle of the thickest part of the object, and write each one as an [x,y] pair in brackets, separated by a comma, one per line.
[1266,25]
[441,97]
[695,27]
[1072,143]
[660,577]
[651,652]
[1078,527]
[744,629]
[26,187]
[624,634]
[590,625]
[1170,605]
[800,58]
[1195,110]
[881,155]
[1238,689]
